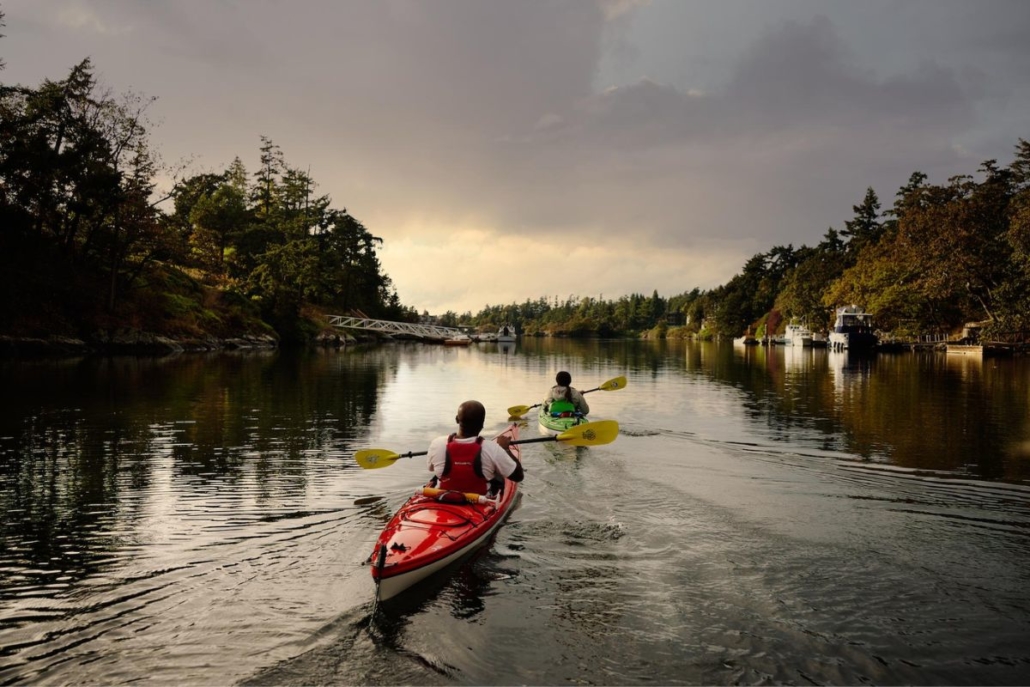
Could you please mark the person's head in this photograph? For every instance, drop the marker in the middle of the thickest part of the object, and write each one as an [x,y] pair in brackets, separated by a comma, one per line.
[563,378]
[470,418]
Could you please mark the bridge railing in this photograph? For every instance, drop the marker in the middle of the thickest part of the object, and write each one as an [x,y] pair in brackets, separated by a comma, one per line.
[423,331]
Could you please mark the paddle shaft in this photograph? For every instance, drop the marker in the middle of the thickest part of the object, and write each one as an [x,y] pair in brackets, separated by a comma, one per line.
[588,434]
[538,405]
[412,454]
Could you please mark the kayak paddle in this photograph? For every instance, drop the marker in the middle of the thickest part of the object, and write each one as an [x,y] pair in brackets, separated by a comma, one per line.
[611,385]
[588,434]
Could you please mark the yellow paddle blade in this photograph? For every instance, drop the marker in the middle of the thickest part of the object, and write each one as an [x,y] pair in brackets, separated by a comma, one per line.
[613,384]
[373,458]
[591,434]
[519,411]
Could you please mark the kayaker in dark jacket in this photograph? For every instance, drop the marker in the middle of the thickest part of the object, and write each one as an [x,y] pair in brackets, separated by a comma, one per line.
[564,391]
[460,466]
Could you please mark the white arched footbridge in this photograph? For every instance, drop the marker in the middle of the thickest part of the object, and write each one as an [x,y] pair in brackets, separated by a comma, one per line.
[421,331]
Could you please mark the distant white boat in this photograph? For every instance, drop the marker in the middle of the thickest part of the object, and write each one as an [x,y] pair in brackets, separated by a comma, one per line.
[458,340]
[506,333]
[798,335]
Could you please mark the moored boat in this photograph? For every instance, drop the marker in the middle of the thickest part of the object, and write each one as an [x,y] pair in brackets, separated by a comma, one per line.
[798,335]
[853,330]
[430,531]
[458,340]
[506,334]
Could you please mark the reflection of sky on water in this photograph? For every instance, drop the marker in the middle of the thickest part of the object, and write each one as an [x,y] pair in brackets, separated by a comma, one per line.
[419,399]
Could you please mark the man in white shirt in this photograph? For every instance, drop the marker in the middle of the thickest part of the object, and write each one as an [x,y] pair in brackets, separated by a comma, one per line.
[466,462]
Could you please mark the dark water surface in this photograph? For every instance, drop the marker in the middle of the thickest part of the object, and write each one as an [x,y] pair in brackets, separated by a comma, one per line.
[767,516]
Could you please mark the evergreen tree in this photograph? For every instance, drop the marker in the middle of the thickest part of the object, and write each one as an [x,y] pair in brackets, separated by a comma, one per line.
[865,228]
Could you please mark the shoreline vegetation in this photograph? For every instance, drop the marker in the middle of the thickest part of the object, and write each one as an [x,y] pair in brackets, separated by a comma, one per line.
[94,257]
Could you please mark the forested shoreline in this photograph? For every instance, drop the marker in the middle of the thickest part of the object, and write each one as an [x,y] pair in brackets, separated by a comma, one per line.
[940,257]
[92,251]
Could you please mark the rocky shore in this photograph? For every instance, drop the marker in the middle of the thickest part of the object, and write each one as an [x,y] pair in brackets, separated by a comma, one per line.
[127,342]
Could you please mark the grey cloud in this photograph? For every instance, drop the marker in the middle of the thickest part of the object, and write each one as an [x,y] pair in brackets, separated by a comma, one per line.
[782,150]
[800,129]
[803,74]
[472,66]
[212,32]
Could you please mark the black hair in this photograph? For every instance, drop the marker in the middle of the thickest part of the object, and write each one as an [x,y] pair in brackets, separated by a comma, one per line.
[473,415]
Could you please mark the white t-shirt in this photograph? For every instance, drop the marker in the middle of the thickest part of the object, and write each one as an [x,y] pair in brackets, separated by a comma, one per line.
[496,461]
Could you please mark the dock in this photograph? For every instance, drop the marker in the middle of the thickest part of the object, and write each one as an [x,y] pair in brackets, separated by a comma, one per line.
[986,350]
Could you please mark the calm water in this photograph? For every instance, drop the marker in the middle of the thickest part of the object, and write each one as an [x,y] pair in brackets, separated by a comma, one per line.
[766,516]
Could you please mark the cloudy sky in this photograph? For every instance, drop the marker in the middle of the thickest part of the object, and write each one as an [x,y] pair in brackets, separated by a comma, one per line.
[509,150]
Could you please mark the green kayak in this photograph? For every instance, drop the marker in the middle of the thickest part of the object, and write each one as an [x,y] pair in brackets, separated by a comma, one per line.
[560,417]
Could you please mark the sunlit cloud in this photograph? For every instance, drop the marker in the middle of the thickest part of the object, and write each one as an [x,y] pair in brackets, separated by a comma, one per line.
[475,267]
[80,17]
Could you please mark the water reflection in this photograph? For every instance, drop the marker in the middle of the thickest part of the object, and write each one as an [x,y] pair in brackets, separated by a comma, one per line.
[195,514]
[926,411]
[969,368]
[797,359]
[97,454]
[850,370]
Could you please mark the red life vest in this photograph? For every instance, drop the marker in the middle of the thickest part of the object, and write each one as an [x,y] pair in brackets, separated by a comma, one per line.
[463,467]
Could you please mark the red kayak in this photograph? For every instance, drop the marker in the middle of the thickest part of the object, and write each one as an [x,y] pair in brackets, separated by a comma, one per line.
[435,528]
